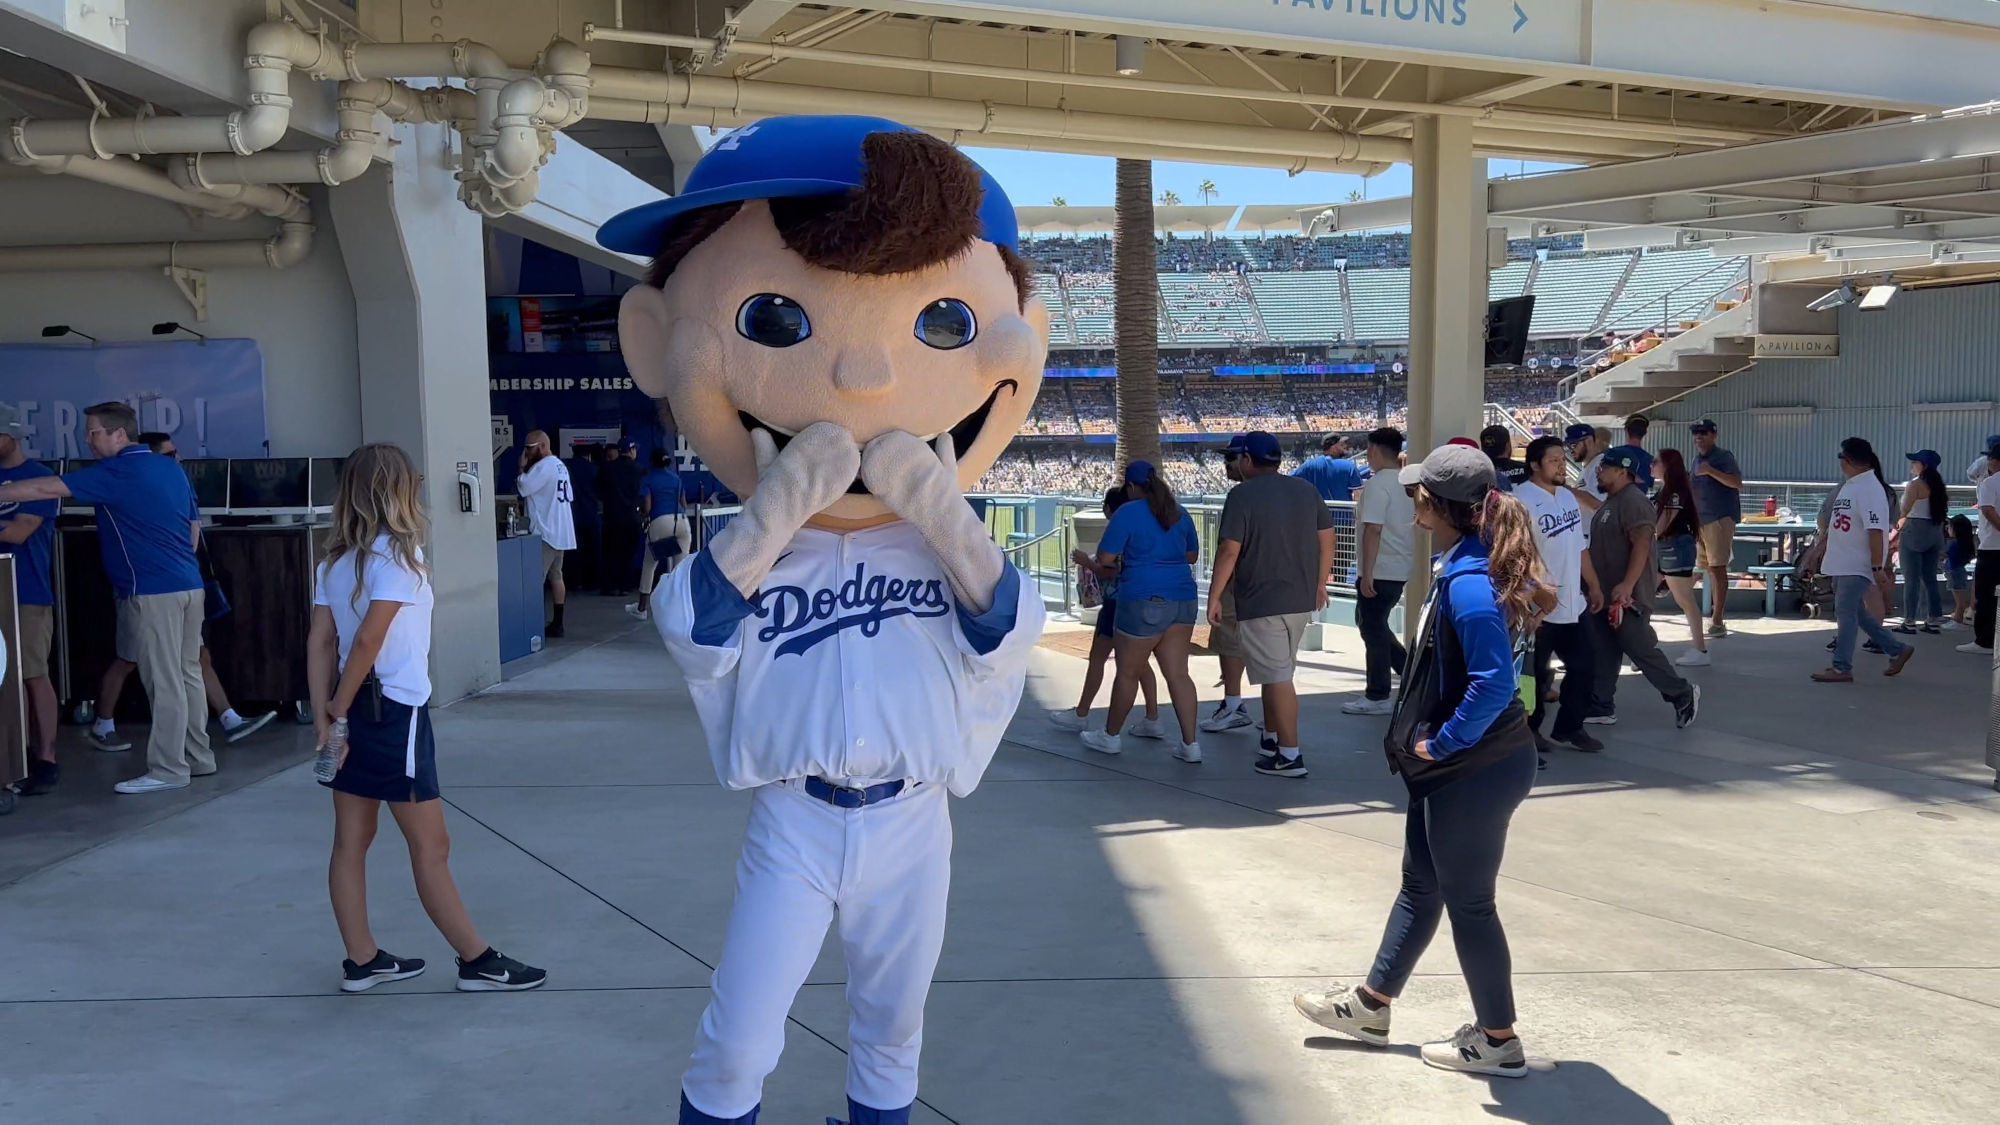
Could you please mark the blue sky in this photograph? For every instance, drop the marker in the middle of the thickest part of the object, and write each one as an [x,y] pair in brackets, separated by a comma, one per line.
[1033,178]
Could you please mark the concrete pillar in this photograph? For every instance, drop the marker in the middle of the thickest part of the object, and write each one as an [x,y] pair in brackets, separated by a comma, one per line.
[415,260]
[1448,285]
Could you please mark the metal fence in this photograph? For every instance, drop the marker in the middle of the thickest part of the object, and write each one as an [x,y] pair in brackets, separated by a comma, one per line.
[1805,498]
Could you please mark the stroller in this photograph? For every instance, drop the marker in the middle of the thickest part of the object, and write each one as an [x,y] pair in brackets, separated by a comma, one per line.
[1814,591]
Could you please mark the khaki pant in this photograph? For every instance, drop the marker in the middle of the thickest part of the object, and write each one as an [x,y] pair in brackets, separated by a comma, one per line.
[169,635]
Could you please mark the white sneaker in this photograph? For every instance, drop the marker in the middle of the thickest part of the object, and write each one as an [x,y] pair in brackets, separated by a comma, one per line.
[1146,728]
[1368,707]
[1694,659]
[1344,1012]
[1189,752]
[1950,626]
[1102,743]
[636,609]
[1068,719]
[1225,718]
[1468,1050]
[1602,720]
[1975,648]
[144,784]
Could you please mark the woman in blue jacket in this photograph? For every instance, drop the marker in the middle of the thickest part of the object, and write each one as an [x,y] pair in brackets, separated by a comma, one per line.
[1460,740]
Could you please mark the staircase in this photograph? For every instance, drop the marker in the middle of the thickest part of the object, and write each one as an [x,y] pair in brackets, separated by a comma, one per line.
[1346,309]
[1678,366]
[1257,324]
[1617,291]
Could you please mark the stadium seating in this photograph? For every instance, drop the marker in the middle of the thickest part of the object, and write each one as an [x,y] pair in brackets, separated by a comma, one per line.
[1208,309]
[1381,303]
[1570,292]
[1670,285]
[1300,306]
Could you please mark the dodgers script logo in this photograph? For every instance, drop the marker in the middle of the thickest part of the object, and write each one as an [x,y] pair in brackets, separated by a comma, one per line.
[1559,523]
[862,602]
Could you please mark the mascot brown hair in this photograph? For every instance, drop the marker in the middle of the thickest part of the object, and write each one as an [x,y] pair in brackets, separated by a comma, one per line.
[839,325]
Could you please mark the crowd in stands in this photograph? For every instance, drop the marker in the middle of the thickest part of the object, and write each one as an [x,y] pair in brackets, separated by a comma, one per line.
[1079,257]
[1236,407]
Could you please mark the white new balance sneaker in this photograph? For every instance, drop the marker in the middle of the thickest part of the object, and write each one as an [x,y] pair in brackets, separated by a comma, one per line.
[1343,1011]
[1068,719]
[1189,752]
[1693,659]
[1146,728]
[1470,1051]
[1368,707]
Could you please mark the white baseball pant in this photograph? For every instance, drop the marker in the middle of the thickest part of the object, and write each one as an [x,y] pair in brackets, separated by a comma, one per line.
[886,870]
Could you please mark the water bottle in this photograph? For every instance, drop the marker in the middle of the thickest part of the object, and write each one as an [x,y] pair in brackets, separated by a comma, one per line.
[328,762]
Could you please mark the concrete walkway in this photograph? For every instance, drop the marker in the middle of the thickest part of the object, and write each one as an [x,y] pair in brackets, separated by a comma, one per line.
[1783,914]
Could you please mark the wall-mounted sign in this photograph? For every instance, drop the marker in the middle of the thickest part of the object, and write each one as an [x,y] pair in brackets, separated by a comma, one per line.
[1795,347]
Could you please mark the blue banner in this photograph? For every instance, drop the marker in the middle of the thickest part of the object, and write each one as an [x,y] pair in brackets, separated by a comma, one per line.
[208,396]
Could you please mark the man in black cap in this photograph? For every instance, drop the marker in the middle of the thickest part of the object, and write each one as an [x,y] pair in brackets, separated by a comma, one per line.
[619,485]
[1275,546]
[1624,556]
[1718,501]
[1586,445]
[1498,445]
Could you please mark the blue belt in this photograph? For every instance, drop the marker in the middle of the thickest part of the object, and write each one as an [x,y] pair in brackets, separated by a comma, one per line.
[843,797]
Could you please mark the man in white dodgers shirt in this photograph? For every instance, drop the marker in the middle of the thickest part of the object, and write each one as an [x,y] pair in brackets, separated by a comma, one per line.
[1559,538]
[545,489]
[1854,530]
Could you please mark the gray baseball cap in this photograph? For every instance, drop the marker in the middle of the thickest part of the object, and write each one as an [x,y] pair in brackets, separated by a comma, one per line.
[10,422]
[1455,472]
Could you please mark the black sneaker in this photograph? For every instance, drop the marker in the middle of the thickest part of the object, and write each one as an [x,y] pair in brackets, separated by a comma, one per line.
[1267,743]
[1277,765]
[552,632]
[493,971]
[1687,706]
[1871,646]
[383,967]
[1580,740]
[42,777]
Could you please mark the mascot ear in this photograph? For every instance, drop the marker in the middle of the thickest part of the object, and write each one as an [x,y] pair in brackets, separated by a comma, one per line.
[645,331]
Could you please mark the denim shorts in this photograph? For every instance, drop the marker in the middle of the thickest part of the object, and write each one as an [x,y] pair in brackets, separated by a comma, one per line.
[1677,556]
[1150,617]
[1957,578]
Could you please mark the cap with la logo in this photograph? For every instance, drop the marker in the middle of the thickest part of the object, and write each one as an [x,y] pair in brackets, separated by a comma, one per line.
[784,158]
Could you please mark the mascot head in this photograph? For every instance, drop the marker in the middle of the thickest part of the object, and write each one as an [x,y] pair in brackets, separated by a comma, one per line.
[833,269]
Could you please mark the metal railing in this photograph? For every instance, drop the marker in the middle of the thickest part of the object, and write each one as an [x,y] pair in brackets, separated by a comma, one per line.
[1805,498]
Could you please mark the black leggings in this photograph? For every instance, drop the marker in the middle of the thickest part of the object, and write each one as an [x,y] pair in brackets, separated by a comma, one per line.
[1452,844]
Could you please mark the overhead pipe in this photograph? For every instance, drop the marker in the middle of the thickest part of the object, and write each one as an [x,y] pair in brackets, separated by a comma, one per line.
[274,51]
[763,99]
[351,153]
[283,250]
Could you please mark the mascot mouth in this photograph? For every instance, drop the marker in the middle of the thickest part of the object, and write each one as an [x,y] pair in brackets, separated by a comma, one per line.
[963,434]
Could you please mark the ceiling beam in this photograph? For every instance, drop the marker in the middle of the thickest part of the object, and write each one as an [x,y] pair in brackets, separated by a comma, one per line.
[1937,137]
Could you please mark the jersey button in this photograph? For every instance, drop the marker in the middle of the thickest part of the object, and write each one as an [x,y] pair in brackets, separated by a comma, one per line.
[861,742]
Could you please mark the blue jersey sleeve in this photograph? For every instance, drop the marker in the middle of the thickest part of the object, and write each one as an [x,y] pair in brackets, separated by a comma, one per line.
[1117,533]
[1489,663]
[92,485]
[1189,540]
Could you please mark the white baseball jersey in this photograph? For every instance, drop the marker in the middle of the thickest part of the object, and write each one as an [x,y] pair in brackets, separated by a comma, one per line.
[853,663]
[547,491]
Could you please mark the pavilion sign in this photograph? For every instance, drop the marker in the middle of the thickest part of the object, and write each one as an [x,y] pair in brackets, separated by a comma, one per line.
[1795,347]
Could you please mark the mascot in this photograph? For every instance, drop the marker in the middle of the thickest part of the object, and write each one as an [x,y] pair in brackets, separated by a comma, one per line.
[838,323]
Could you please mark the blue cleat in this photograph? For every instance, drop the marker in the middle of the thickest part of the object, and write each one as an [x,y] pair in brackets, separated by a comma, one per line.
[692,1116]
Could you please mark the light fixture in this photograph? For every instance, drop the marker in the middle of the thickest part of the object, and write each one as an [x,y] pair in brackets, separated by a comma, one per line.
[169,327]
[1846,294]
[1131,55]
[1878,295]
[53,330]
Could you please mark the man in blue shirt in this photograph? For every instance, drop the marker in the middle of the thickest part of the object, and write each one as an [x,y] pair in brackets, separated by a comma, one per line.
[1642,461]
[1334,472]
[27,532]
[144,532]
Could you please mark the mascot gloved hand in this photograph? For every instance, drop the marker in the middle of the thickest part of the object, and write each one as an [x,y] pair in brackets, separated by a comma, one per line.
[919,482]
[838,325]
[816,468]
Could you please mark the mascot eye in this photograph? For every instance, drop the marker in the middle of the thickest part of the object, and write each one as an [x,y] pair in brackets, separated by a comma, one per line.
[773,321]
[946,324]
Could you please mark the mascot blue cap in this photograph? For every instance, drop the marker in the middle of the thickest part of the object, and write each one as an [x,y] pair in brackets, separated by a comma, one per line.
[781,158]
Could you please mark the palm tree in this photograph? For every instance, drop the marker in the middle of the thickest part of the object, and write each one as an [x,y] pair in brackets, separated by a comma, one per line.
[1058,201]
[1136,317]
[1354,196]
[1208,191]
[1170,198]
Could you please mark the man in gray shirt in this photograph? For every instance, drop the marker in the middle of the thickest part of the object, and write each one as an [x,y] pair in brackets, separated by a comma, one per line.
[1718,500]
[1275,549]
[1623,554]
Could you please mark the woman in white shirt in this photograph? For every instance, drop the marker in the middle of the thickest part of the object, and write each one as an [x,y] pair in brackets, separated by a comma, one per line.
[368,662]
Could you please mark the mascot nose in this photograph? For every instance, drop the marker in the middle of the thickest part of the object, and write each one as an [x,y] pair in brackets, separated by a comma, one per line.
[863,372]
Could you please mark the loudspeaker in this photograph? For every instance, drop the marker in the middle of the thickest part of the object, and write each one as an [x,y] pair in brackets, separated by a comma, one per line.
[1507,330]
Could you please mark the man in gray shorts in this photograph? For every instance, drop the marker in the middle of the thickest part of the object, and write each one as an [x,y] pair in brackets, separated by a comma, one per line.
[1274,552]
[1223,639]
